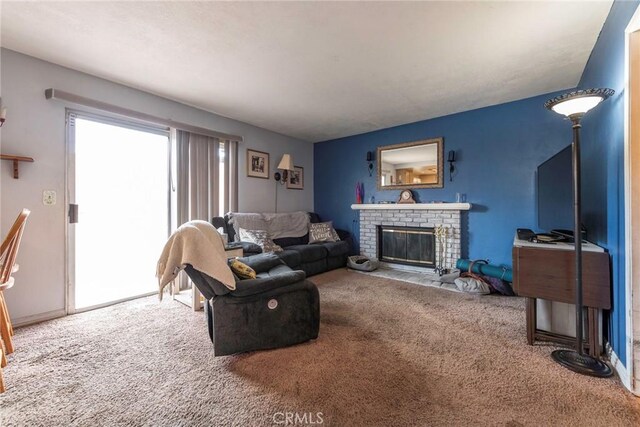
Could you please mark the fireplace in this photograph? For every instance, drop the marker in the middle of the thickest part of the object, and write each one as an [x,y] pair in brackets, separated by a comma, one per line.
[407,245]
[445,251]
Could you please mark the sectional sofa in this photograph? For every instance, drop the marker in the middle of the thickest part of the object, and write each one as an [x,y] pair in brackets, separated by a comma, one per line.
[298,254]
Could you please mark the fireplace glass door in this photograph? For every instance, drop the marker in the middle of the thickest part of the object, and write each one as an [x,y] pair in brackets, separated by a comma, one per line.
[407,245]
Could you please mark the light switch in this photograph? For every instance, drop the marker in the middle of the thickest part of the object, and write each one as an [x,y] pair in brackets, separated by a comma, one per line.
[49,197]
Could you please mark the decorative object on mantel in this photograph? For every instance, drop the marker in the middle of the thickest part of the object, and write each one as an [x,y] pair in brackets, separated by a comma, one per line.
[452,164]
[406,196]
[359,192]
[15,160]
[285,165]
[257,164]
[574,105]
[296,179]
[370,161]
[441,232]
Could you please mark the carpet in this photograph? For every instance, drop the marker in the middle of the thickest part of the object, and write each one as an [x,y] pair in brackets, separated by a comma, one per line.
[389,354]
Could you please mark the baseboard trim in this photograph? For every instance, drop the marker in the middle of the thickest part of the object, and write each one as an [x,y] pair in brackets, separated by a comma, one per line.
[37,318]
[620,369]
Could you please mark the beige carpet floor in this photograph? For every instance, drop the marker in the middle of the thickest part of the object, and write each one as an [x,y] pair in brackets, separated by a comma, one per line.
[389,354]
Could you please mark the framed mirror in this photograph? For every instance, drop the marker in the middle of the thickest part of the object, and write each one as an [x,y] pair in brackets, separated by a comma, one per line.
[417,164]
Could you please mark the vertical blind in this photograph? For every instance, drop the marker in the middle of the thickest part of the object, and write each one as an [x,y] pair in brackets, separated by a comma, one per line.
[199,184]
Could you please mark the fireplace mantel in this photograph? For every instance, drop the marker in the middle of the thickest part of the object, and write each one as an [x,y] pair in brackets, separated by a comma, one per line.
[414,206]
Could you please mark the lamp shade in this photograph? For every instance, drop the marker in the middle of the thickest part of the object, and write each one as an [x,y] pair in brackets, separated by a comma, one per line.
[286,163]
[579,102]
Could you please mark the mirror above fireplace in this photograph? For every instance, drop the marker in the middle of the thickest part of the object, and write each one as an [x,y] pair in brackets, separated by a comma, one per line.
[417,164]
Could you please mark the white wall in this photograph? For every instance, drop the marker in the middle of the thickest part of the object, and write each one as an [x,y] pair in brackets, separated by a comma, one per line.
[35,127]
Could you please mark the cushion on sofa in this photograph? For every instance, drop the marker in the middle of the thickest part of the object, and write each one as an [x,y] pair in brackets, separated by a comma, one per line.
[322,232]
[242,270]
[248,221]
[292,241]
[278,269]
[208,286]
[309,253]
[264,284]
[315,267]
[249,248]
[262,262]
[260,238]
[291,258]
[338,248]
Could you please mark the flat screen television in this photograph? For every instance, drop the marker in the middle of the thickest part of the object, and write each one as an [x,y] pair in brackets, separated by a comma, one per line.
[555,192]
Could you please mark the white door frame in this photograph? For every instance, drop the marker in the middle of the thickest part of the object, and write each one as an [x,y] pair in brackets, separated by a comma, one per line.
[70,235]
[629,375]
[70,191]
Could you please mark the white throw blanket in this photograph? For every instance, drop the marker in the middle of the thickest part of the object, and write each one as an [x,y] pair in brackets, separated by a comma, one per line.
[197,243]
[278,225]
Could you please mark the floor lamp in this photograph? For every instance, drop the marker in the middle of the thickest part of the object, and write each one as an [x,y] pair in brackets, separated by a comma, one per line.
[574,105]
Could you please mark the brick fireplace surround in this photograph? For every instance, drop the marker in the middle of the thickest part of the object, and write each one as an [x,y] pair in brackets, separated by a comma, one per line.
[416,215]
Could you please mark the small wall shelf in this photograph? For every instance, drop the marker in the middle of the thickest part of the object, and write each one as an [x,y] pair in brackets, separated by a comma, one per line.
[15,160]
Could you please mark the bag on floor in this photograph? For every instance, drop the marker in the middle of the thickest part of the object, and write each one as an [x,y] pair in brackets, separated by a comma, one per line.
[471,283]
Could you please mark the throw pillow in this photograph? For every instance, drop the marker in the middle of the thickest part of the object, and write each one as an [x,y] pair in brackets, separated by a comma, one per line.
[322,232]
[260,238]
[242,270]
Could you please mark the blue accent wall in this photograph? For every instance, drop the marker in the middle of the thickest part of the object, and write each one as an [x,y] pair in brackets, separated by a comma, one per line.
[498,149]
[603,160]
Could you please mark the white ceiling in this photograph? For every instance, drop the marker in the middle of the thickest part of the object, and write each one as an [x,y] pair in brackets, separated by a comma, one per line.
[317,70]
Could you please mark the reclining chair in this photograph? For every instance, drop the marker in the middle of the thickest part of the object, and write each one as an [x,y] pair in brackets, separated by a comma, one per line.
[277,309]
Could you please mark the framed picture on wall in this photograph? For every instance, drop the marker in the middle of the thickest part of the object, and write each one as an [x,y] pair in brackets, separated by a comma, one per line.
[296,178]
[257,164]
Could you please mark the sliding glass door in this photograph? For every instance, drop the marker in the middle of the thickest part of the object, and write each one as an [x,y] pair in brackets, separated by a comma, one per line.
[119,180]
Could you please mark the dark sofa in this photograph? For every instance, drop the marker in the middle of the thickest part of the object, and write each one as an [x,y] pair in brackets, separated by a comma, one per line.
[277,309]
[298,253]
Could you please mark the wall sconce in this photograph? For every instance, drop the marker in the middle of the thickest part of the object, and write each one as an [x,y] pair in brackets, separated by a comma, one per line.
[452,164]
[3,116]
[285,165]
[370,161]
